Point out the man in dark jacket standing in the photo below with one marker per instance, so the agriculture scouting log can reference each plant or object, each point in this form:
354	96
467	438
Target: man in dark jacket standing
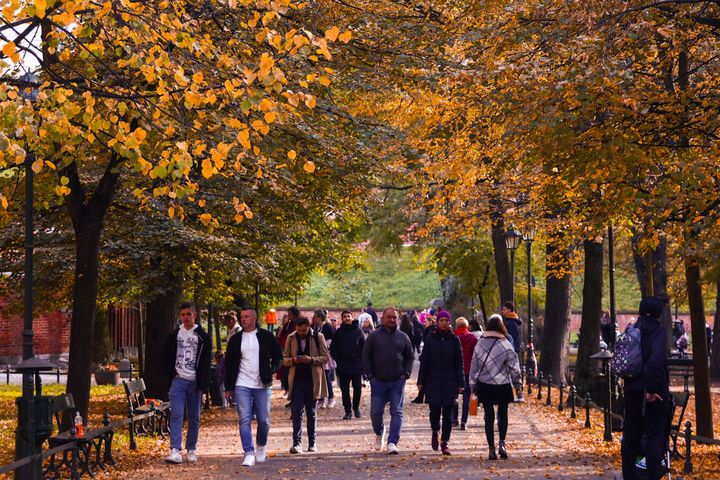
252	357
387	362
186	357
346	349
513	324
647	404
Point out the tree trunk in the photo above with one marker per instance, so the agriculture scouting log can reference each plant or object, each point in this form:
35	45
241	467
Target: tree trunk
715	359
87	252
87	216
586	368
502	264
159	322
659	281
556	329
703	407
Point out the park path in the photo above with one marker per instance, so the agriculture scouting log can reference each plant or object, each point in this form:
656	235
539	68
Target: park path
541	444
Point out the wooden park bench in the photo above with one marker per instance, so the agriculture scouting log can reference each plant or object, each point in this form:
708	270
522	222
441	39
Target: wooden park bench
92	450
147	416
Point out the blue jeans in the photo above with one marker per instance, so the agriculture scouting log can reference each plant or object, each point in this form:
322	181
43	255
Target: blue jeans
247	400
184	394
381	393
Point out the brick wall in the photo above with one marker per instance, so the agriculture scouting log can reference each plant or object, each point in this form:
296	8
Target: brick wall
52	334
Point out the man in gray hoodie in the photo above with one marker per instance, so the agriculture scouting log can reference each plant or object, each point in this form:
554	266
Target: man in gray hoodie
387	362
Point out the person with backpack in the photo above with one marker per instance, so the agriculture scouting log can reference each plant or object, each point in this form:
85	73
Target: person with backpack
640	359
305	355
493	370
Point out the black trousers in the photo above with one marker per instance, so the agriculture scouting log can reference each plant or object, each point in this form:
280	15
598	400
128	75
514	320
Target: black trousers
447	413
303	399
502	420
345	381
653	426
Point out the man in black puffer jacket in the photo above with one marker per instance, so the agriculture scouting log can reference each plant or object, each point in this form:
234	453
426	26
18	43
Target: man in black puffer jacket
346	349
647	397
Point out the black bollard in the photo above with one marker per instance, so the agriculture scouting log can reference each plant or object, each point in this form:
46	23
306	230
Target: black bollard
688	449
540	386
529	385
587	410
548	401
573	393
561	407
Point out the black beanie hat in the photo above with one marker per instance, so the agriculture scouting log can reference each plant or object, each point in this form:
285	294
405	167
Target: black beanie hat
651	307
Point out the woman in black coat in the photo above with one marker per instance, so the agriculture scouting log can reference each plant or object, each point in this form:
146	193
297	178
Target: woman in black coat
442	378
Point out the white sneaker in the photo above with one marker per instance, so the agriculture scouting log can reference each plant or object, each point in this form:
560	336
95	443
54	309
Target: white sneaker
295	449
191	457
174	456
331	403
392	449
379	442
312	449
261	454
249	460
520	398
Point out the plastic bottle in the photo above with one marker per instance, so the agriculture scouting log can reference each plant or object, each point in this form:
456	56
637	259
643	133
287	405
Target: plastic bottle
78	425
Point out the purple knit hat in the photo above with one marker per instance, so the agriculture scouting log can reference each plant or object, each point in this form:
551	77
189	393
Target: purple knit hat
444	314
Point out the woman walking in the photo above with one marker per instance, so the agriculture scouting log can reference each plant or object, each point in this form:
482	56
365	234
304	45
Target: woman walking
493	371
441	378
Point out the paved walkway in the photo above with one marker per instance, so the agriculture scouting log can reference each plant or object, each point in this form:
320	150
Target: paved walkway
541	446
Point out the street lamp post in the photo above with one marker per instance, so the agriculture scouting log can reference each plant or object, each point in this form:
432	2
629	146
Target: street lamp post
531	361
34	416
512	242
604	356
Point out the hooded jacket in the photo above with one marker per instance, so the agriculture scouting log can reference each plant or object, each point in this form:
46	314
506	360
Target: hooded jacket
654	378
346	349
513	323
202	362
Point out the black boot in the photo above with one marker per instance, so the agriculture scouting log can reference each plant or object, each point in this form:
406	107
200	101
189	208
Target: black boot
502	450
435	440
492	455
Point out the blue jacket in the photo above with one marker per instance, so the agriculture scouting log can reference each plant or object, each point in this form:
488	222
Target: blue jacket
654	378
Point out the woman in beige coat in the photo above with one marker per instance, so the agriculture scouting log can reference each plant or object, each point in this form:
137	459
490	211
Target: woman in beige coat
305	355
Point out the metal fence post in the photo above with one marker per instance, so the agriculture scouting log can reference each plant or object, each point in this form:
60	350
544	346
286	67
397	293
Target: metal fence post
548	401
587	410
688	448
540	386
561	407
573	393
7	374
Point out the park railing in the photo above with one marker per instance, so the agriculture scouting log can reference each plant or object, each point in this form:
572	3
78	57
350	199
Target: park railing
57	373
572	400
87	453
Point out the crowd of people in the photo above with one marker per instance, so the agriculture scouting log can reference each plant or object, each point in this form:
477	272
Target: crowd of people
307	355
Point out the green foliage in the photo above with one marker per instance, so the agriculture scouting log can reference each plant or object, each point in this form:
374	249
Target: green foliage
387	279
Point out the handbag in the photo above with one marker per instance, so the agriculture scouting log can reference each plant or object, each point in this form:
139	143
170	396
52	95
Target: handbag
473	407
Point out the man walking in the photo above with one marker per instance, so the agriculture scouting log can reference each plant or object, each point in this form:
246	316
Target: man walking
387	361
305	355
346	349
186	357
252	356
647	397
